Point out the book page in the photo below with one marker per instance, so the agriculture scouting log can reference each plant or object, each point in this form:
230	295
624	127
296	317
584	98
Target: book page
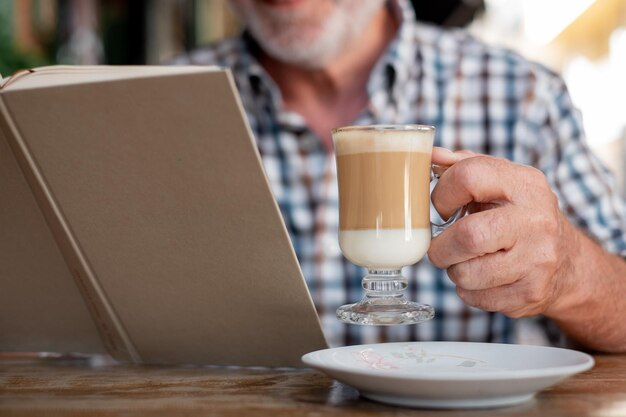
59	75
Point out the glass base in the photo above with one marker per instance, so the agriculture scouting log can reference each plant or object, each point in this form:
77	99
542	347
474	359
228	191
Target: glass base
384	303
385	312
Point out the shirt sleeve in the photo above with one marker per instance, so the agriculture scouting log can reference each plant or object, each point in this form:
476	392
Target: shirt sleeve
586	189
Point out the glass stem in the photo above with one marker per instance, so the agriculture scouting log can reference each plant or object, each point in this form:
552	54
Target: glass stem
384	283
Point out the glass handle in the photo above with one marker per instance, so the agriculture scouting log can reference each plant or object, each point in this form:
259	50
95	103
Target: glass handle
438	228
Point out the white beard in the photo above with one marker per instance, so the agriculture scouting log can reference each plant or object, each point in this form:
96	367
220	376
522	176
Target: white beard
297	38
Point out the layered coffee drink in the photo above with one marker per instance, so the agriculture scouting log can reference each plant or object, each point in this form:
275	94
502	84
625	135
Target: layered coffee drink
384	174
384	194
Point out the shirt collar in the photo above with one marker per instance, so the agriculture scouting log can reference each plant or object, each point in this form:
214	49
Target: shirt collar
400	53
394	66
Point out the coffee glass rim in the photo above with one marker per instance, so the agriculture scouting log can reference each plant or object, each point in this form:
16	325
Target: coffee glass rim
385	128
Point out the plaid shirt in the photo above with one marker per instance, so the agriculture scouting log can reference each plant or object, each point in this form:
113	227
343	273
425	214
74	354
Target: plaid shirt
481	98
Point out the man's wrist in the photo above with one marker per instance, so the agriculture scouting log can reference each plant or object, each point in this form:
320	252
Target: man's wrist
571	290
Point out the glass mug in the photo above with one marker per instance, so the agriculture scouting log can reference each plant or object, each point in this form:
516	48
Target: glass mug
384	174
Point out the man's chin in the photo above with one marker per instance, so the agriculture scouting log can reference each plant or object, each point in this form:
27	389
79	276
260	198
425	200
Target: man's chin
310	48
301	57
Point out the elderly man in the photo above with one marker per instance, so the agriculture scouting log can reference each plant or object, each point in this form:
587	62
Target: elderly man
541	256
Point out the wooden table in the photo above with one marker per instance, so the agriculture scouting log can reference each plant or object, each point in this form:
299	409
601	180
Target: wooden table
45	387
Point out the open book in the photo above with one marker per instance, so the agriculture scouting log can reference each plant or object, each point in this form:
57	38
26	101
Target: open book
136	219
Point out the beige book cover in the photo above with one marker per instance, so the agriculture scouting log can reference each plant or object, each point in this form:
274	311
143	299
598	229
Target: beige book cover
137	210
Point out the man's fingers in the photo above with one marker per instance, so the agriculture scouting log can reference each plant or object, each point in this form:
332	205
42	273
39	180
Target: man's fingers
488	271
473	236
445	157
520	299
481	179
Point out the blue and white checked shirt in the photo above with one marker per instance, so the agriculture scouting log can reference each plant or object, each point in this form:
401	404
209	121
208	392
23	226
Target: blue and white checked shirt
485	99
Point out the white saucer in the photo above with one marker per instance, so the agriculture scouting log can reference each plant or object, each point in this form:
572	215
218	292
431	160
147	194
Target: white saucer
449	374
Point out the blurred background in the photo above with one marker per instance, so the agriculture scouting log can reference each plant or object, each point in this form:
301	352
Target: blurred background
583	40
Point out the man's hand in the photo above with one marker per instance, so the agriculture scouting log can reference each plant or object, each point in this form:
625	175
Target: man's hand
513	252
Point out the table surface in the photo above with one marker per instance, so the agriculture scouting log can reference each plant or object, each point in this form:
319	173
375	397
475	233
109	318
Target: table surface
54	387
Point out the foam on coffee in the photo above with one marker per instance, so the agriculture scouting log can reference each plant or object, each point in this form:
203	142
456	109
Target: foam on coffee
351	141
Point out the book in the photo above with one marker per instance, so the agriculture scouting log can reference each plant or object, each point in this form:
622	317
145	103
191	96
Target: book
139	222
